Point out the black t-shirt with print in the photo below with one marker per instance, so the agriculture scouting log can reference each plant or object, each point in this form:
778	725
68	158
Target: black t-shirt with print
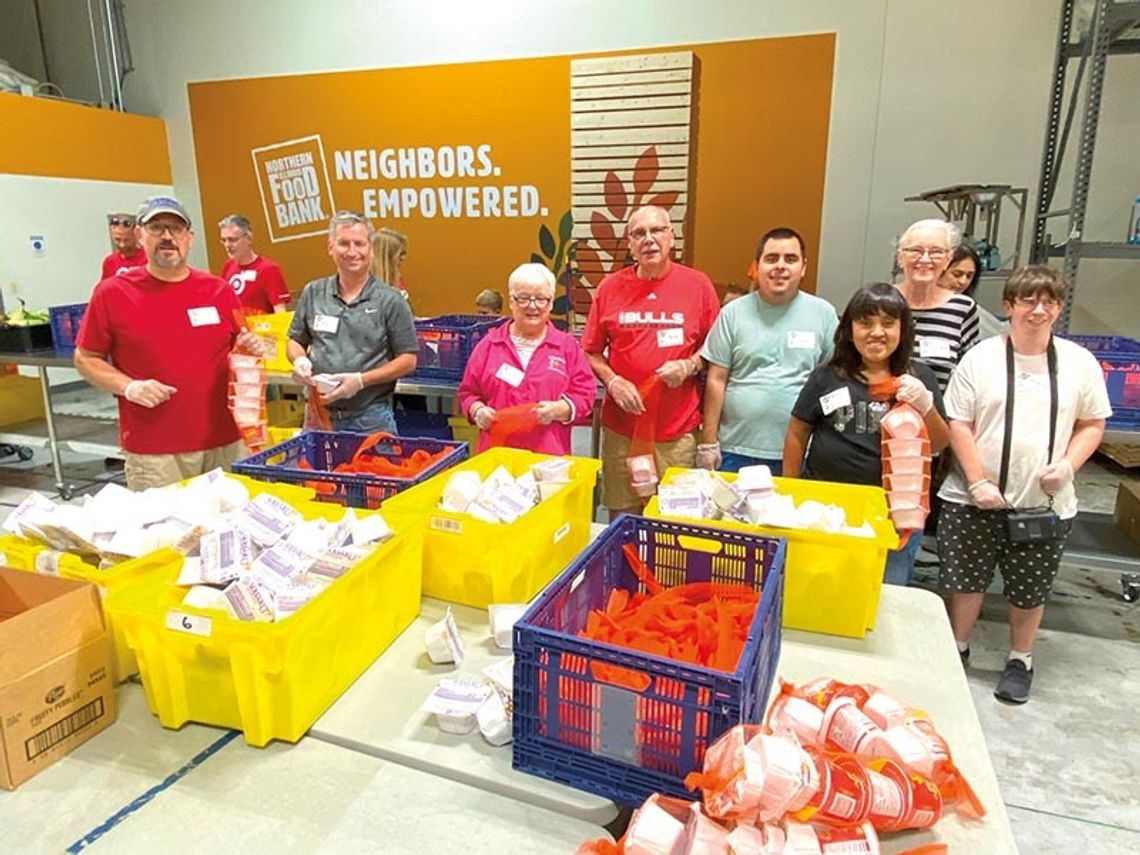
845	443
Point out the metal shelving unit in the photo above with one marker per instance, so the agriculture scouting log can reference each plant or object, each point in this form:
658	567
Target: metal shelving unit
1112	30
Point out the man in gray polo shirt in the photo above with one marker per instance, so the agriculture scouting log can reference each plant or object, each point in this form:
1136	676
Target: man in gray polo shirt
354	330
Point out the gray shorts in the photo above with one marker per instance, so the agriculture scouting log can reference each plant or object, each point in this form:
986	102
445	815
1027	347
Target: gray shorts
972	542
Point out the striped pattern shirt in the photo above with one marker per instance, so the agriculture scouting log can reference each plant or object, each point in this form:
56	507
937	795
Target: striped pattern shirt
942	335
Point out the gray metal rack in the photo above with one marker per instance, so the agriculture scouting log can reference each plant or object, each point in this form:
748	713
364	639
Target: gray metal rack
1111	30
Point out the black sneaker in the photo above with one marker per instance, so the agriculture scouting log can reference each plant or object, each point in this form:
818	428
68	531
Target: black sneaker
964	655
1014	682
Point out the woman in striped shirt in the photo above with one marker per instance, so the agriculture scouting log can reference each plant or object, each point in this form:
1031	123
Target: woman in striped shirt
945	323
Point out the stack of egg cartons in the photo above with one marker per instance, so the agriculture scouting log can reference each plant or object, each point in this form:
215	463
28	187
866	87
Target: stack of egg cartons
906	467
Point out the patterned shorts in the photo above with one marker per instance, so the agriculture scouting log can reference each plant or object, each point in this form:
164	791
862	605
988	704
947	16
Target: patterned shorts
972	542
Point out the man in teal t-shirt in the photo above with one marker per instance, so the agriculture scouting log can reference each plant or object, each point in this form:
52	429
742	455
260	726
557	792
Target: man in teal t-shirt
760	353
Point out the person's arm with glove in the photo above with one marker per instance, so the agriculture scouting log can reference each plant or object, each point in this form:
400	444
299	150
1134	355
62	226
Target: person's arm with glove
984	493
1087	434
708	452
623	391
96	370
914	392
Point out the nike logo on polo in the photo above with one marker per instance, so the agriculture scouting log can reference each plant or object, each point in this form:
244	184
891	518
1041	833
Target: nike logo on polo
370	311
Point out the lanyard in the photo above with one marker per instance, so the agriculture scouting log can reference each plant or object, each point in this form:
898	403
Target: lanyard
1009	384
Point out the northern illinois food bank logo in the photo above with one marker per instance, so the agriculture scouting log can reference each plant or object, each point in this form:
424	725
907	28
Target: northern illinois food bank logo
294	184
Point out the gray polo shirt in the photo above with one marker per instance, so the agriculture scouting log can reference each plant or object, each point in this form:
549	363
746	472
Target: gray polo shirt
344	337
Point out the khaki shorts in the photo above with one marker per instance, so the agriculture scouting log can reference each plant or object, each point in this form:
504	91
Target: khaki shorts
616	493
158	470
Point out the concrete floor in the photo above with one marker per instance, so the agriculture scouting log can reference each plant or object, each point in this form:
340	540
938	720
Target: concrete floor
1068	768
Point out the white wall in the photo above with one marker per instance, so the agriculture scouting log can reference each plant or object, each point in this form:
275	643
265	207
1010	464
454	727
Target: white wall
927	93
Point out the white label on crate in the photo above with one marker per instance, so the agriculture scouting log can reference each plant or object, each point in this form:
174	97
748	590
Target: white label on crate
444	524
577	581
47	562
193	624
326	323
204	316
563	530
509	375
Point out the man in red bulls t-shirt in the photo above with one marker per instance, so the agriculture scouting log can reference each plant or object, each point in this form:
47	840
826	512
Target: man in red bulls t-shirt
651	318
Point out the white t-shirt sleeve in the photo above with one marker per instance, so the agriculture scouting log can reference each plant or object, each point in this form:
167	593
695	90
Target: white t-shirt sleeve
717	348
1093	402
961	393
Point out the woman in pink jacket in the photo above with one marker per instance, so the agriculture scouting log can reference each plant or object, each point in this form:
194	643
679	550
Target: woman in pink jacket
529	361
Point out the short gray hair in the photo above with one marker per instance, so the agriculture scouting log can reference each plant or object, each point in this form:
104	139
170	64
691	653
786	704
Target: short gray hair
532	273
237	221
953	234
350	218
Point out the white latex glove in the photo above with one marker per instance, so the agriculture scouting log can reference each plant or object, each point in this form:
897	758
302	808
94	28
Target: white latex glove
708	455
552	411
303	371
914	392
674	372
349	385
1054	477
483	417
148	393
986	495
625	395
247	342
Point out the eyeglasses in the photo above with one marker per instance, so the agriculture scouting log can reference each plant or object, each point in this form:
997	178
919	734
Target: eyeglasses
654	231
539	302
1031	302
936	253
127	222
175	229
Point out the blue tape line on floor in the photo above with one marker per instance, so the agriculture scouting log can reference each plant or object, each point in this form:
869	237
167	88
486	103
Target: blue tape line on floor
193	763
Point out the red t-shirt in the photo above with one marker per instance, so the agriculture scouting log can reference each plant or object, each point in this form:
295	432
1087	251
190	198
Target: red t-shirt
259	285
644	323
178	333
116	262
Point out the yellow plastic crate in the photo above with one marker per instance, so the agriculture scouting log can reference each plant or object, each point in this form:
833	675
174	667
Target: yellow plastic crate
21	399
464	431
831	581
273	332
277	434
20	553
477	563
270	680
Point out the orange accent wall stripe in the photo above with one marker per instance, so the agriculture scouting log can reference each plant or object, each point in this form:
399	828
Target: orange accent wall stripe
61	140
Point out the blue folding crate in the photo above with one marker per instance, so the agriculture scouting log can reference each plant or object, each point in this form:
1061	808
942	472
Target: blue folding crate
574	725
322	451
445	345
65	321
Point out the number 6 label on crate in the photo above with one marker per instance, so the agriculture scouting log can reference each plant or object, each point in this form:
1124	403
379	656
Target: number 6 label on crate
193	624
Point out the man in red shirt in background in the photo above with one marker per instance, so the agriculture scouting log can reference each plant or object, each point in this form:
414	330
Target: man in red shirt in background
158	337
127	252
651	318
257	281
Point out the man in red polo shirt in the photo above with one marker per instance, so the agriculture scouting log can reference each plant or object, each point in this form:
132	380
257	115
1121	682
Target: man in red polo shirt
651	318
257	281
158	337
127	252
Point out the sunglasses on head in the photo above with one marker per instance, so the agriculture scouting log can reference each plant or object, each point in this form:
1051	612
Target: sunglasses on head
129	222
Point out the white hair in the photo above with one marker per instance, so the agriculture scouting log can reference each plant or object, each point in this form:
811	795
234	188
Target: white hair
953	234
532	273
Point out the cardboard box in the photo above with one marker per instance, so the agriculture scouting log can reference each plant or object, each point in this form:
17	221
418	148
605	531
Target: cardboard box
1127	512
55	671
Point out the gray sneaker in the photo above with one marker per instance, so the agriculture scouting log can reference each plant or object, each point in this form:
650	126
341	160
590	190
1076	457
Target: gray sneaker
1014	682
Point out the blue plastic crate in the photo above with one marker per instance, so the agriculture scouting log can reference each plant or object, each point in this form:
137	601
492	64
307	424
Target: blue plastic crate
573	726
1119	359
420	424
445	345
323	451
65	321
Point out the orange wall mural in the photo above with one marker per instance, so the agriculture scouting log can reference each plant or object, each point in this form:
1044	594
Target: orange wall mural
484	166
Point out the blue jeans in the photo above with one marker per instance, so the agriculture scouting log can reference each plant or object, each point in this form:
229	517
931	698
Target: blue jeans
375	417
899	569
731	462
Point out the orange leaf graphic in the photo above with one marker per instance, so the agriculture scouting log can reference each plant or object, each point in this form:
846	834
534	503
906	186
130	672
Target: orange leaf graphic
601	228
645	172
616	199
587	259
664	200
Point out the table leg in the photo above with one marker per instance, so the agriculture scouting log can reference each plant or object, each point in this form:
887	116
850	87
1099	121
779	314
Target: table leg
64	489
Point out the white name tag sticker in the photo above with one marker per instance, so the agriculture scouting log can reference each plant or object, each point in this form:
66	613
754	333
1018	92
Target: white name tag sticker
801	339
934	348
671	337
832	401
326	323
509	375
204	316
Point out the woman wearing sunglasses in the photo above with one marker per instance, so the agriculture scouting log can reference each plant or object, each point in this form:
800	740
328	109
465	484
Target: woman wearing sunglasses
527	362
